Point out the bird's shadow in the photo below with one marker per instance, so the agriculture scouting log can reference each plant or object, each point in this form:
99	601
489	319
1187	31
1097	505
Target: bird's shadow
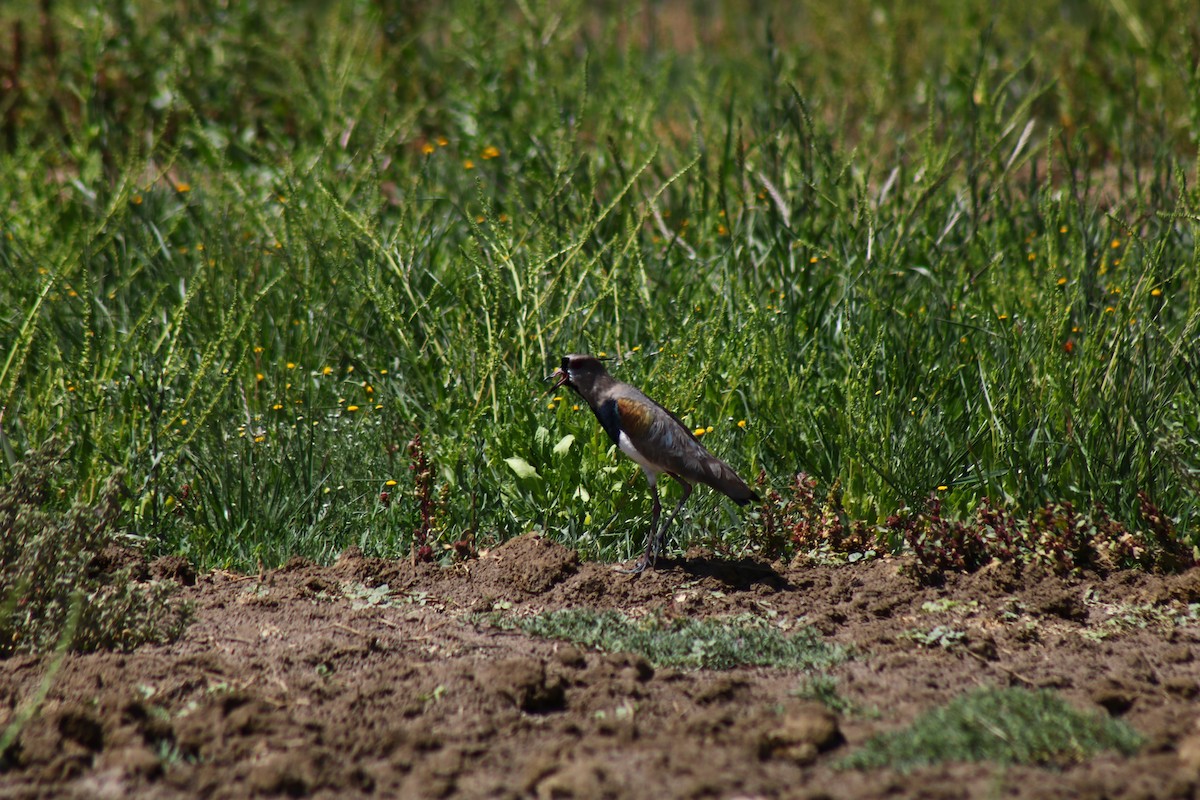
741	574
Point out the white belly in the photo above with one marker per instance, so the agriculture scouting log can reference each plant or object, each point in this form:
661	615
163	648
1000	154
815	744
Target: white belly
628	449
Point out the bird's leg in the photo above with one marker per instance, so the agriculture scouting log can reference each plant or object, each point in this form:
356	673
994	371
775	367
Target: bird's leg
661	544
647	559
652	538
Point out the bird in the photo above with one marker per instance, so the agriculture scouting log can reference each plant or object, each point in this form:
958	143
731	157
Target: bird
653	437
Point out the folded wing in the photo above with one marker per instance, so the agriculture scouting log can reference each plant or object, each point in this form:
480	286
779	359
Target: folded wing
663	438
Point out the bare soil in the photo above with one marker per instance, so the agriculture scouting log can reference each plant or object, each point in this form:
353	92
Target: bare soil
314	681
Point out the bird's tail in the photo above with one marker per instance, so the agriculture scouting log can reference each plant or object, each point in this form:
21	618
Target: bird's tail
722	478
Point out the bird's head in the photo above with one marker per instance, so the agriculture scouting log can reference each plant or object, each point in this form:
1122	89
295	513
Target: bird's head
579	371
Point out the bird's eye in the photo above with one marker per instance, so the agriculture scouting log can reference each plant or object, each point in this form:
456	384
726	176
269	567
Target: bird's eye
566	363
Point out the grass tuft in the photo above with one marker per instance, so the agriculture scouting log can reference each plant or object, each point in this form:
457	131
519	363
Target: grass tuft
1007	726
693	643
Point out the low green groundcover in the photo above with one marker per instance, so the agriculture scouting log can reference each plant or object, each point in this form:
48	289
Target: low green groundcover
1010	726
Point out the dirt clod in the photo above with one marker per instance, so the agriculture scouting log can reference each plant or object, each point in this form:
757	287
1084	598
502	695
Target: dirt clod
131	762
173	568
1189	756
1062	603
801	735
581	779
1114	696
523	682
1181	588
530	564
571	657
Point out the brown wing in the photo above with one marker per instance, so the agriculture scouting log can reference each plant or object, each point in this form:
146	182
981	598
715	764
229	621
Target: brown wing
663	439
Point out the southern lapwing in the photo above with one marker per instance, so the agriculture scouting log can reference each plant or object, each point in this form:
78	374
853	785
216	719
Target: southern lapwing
651	436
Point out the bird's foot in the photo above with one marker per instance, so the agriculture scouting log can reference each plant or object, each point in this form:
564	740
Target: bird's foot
647	560
638	567
654	545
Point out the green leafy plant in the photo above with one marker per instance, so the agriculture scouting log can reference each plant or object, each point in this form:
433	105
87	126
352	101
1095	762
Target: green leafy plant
1055	536
56	565
941	636
944	604
799	521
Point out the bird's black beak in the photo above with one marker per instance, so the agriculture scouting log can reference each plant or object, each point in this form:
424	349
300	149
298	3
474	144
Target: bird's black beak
559	377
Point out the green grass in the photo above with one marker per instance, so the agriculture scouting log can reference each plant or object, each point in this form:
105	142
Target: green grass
247	254
1008	726
694	643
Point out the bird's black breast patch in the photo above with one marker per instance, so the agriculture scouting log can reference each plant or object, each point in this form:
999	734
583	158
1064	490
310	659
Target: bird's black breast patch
610	418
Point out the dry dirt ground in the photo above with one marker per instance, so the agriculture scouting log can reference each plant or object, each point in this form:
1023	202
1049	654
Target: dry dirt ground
315	681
